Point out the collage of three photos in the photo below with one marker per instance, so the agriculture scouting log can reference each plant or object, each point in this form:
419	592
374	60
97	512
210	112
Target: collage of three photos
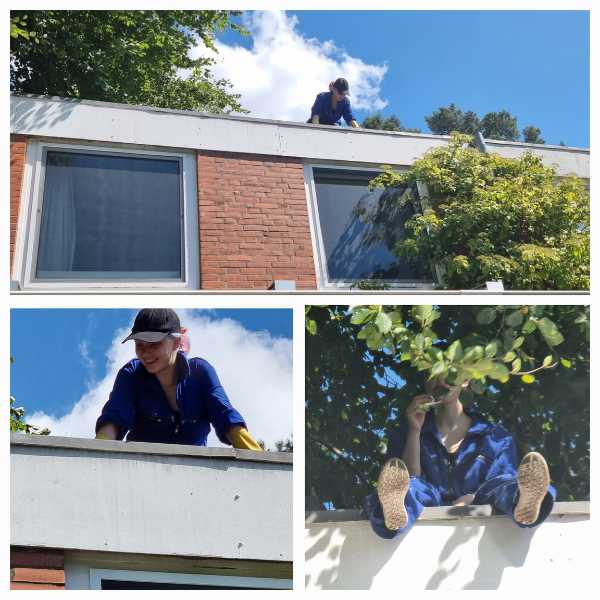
215	256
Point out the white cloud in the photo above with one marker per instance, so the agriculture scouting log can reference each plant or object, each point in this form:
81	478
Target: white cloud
282	73
254	368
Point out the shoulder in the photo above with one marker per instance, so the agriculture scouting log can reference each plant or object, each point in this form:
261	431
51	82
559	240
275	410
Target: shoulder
322	97
199	366
133	367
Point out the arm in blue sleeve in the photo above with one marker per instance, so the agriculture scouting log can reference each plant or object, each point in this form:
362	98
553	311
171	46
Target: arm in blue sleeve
505	461
220	412
316	107
119	408
347	112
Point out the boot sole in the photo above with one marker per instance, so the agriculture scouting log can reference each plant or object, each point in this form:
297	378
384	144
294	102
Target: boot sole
391	489
533	479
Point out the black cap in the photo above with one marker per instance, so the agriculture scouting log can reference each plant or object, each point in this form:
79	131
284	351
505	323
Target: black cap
341	85
154	324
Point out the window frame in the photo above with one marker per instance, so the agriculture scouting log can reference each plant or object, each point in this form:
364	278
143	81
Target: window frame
29	223
323	281
97	575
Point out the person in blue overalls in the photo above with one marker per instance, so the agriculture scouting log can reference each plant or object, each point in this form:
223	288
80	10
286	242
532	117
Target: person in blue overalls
331	106
163	396
455	457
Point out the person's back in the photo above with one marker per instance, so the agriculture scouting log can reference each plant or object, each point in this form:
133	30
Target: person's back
330	107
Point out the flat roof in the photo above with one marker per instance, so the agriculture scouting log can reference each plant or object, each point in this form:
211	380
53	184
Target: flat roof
107	122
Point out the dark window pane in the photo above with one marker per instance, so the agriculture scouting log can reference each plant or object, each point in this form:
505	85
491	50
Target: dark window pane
360	228
106	216
114	584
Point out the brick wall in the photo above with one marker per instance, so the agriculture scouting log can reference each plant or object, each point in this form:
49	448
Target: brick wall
17	164
37	569
254	224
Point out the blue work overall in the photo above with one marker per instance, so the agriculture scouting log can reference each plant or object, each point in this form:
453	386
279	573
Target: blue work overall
485	465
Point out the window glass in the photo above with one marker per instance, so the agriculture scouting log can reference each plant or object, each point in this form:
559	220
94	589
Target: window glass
360	228
108	216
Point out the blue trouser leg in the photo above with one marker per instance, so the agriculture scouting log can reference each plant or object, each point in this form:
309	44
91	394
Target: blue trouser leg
502	492
420	494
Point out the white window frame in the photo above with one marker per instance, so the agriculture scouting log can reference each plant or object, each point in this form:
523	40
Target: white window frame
28	228
323	281
97	575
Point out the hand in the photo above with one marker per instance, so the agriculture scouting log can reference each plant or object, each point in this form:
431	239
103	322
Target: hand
464	500
416	415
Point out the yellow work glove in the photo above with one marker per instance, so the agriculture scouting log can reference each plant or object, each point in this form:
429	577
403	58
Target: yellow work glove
240	438
103	436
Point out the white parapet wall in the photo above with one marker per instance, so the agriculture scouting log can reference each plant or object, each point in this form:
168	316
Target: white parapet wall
144	126
452	549
158	499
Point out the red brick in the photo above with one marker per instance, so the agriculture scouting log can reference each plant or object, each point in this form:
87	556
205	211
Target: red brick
23	574
18	145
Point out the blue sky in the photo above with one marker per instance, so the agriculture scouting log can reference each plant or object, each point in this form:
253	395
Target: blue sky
534	64
65	355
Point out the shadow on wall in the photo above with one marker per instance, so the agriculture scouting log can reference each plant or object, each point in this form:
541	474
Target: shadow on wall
44	113
474	556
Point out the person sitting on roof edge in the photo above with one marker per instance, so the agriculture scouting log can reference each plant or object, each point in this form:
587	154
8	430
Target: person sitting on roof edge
455	457
163	396
330	106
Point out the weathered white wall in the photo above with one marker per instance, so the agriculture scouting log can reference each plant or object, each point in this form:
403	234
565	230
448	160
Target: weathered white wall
146	126
488	553
150	498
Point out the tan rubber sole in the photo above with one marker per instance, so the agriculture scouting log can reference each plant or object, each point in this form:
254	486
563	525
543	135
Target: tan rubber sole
533	479
391	489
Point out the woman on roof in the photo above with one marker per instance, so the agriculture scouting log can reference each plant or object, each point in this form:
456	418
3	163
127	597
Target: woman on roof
331	106
455	457
163	396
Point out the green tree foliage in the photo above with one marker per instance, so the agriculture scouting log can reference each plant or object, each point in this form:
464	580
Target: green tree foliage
531	135
495	218
356	394
17	419
391	123
450	118
133	57
500	126
493	125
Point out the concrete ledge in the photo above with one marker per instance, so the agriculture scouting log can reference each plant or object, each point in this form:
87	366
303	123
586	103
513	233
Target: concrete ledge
442	513
151	127
45	441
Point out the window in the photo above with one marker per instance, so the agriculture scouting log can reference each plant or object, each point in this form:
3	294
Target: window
105	217
109	579
357	230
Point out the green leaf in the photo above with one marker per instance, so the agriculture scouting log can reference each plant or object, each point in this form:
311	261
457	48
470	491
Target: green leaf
516	365
509	356
396	317
547	361
383	322
360	315
499	372
374	341
419	341
565	362
514	319
518	342
437	369
486	315
422	312
455	351
311	326
550	332
366	331
491	349
527	378
529	326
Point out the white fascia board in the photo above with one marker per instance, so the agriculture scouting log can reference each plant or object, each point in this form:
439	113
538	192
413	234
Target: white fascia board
149	126
566	161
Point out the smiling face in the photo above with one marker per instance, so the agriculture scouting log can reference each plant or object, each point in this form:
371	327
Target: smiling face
157	357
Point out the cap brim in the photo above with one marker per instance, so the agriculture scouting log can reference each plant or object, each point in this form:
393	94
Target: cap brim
146	336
